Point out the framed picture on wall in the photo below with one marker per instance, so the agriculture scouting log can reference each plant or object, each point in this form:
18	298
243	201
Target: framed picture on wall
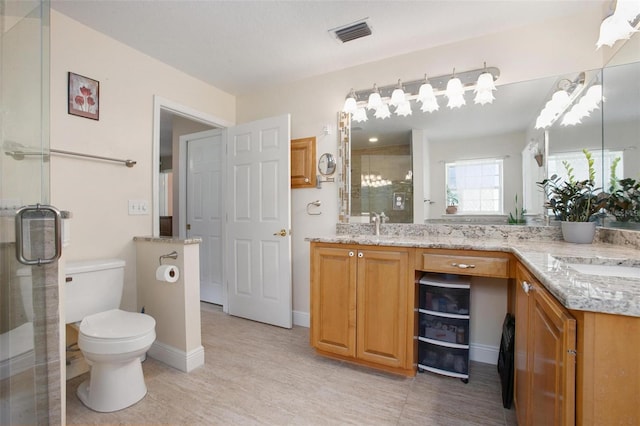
84	96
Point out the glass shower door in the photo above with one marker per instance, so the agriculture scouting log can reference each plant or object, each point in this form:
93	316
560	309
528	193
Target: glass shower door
30	380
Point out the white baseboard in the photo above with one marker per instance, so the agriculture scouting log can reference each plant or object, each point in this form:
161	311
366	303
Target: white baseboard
303	319
483	353
176	358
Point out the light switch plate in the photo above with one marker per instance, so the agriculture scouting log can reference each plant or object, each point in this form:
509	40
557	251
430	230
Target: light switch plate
138	207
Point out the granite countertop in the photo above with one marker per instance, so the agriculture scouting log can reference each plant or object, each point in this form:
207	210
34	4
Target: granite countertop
169	240
548	261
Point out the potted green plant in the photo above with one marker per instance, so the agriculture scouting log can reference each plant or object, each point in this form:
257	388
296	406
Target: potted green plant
518	217
624	200
452	201
575	203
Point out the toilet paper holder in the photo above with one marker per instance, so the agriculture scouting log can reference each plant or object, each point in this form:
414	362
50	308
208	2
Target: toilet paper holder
173	255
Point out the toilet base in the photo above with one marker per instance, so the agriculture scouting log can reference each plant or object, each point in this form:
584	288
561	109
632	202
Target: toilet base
113	386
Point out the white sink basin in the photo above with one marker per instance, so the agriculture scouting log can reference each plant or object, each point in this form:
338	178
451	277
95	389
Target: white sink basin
603	266
606	270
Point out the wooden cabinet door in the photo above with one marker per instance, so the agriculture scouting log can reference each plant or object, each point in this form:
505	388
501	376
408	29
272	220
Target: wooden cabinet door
303	163
521	394
552	345
545	364
383	318
333	300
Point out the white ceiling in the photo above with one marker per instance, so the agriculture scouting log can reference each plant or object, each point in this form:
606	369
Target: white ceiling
239	46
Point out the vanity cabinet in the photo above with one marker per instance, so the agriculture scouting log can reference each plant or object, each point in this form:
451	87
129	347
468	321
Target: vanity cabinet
362	305
545	356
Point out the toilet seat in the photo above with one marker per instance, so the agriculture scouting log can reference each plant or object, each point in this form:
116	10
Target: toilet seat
116	332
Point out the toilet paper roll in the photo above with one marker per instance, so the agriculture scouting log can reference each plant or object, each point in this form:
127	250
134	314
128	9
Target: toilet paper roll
168	273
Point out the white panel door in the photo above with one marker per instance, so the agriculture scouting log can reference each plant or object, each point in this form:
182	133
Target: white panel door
259	219
206	208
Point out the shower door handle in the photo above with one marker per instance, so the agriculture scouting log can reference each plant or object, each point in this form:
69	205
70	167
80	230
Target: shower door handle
28	214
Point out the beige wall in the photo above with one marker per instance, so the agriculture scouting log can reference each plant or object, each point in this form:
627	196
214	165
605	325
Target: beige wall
174	306
557	47
98	192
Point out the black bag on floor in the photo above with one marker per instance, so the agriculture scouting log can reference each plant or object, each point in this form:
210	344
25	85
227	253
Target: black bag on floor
505	359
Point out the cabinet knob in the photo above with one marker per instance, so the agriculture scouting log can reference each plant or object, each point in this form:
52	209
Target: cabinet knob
463	265
526	287
360	254
350	254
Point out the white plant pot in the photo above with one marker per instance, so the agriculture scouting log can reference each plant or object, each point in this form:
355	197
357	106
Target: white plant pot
578	232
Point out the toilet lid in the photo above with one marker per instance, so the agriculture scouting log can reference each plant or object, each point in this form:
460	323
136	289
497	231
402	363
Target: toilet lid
117	324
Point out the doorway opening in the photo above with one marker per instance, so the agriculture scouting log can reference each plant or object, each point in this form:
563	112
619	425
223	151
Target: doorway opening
170	121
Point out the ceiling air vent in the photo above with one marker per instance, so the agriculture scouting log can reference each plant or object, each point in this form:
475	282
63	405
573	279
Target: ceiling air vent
352	32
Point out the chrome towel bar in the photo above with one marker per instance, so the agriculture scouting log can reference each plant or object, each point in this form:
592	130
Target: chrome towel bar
19	155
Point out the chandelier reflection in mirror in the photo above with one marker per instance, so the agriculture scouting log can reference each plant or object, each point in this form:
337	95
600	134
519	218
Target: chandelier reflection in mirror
572	101
398	97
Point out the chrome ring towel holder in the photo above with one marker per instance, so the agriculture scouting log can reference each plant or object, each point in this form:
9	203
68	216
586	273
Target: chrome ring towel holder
315	203
173	255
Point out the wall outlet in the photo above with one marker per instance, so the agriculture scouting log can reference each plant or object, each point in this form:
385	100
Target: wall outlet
138	207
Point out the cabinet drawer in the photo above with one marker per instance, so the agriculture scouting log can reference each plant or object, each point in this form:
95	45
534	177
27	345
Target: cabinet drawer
444	300
467	265
444	360
444	329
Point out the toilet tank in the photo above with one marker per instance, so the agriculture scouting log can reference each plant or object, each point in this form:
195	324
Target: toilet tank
92	286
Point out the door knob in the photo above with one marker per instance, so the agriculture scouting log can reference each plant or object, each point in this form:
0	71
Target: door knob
281	233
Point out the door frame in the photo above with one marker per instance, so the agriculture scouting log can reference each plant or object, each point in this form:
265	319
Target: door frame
160	103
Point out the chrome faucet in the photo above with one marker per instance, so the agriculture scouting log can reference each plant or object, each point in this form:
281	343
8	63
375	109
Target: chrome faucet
377	219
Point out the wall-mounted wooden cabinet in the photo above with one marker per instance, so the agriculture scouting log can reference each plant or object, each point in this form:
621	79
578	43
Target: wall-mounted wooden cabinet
362	301
303	163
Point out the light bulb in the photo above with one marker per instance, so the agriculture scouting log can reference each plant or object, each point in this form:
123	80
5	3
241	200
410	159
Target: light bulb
404	109
374	99
455	93
383	111
360	115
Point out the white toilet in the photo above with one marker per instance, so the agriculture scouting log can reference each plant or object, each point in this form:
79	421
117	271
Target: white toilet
112	341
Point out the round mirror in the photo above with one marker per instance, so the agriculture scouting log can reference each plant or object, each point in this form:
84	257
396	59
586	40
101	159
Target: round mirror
327	164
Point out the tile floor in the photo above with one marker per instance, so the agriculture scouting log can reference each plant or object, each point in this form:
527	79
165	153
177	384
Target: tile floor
256	374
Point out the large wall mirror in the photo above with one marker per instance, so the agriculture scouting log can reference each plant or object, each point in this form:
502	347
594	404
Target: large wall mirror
621	116
402	165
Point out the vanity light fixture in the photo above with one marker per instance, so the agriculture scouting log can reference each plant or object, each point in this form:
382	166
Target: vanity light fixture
397	97
383	111
619	25
455	92
350	104
375	101
567	92
404	109
427	97
401	95
588	102
373	140
485	88
374	180
360	115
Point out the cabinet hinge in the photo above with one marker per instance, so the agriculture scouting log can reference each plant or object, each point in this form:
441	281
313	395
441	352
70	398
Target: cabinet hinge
572	352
